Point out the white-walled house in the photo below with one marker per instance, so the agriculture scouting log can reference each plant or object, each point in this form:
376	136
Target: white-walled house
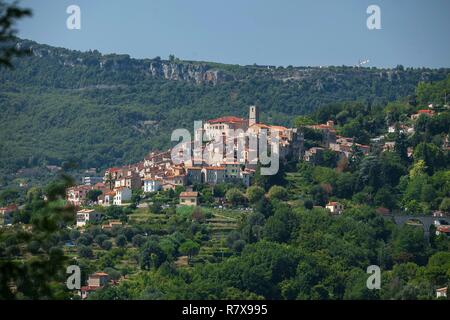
441	293
122	194
107	198
335	207
96	281
152	185
84	216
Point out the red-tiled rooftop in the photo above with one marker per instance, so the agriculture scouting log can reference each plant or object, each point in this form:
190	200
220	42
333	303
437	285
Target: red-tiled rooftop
445	229
89	288
230	119
189	194
278	128
99	274
79	188
322	126
425	111
11	207
261	125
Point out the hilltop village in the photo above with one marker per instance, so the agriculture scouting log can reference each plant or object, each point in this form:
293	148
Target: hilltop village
198	203
312	143
212	166
158	171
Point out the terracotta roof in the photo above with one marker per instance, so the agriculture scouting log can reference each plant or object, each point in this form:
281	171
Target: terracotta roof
230	119
260	125
278	128
152	179
322	126
86	211
176	176
89	288
189	194
11	207
425	111
214	168
99	274
445	229
382	210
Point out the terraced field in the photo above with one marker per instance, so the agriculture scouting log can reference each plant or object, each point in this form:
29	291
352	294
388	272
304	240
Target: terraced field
220	221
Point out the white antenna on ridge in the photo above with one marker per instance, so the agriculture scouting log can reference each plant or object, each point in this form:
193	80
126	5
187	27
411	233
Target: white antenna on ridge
362	62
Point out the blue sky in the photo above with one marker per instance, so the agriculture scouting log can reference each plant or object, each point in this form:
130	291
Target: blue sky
275	32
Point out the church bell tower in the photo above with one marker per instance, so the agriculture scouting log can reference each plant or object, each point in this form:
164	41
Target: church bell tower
253	116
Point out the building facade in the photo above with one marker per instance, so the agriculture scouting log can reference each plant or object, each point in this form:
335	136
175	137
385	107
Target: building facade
152	185
189	198
85	216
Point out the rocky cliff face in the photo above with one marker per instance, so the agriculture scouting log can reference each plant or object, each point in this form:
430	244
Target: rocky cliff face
113	69
198	73
195	72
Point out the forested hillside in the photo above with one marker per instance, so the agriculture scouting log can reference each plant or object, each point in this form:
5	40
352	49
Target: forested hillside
276	239
98	110
272	240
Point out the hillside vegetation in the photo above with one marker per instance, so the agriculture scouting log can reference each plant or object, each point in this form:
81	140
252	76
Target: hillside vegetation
274	239
99	110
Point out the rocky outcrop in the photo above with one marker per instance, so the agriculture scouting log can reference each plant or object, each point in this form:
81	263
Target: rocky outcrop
194	72
198	73
121	68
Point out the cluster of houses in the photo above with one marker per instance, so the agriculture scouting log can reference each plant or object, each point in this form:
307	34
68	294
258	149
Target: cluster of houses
408	130
211	163
342	146
345	146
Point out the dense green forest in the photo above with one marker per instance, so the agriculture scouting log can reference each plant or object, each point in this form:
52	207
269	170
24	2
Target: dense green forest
98	110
